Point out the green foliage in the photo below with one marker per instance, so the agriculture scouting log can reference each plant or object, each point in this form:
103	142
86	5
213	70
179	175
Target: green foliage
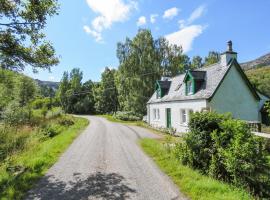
22	42
212	58
15	115
225	149
192	183
105	93
197	62
260	78
26	90
23	167
127	116
143	60
74	96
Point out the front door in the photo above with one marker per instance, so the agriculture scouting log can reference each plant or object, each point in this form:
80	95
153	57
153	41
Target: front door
168	117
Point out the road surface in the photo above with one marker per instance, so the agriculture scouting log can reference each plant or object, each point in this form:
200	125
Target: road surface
105	162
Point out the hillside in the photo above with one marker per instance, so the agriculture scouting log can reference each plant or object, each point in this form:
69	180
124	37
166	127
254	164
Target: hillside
260	78
50	84
259	62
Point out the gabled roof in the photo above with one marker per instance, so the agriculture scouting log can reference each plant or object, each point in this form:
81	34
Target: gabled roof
213	77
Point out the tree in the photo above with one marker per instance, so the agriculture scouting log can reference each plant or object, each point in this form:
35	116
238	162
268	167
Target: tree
26	90
212	58
196	62
106	97
74	96
62	92
22	42
143	60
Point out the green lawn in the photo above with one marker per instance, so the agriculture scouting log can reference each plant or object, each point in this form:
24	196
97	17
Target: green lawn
190	182
20	171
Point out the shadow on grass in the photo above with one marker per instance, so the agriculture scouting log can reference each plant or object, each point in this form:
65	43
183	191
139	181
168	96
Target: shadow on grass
96	186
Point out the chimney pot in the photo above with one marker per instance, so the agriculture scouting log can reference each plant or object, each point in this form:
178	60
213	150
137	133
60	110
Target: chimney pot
229	46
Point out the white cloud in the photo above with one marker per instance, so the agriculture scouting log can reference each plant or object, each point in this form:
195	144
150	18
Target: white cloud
51	78
170	13
109	12
153	18
141	21
95	34
185	37
196	14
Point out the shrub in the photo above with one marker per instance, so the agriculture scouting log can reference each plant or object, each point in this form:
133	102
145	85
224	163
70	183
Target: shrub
127	116
51	130
15	115
224	148
11	141
41	103
65	122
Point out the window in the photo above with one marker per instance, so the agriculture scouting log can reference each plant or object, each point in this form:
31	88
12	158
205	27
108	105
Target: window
183	116
189	88
156	114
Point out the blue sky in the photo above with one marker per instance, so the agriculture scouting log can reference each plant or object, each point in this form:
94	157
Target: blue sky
85	32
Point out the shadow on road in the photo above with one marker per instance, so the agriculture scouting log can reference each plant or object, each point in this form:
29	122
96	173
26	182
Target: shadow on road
96	186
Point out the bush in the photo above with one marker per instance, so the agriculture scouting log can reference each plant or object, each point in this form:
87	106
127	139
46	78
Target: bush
11	141
224	148
66	122
51	130
15	115
41	103
127	116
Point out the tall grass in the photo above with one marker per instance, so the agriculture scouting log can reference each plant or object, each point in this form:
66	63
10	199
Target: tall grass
22	167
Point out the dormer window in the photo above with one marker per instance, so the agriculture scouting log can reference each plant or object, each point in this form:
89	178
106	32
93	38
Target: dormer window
193	81
162	88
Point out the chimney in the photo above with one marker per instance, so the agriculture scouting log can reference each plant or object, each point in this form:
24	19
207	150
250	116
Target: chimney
226	57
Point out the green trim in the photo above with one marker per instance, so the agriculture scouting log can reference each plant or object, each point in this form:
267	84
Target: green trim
160	92
234	62
189	77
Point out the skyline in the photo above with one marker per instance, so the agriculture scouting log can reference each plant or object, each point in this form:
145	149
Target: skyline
85	33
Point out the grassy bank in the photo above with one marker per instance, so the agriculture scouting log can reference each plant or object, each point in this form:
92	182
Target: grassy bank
190	182
20	170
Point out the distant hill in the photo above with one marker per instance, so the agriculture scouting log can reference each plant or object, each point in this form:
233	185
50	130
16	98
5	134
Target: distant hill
51	84
262	61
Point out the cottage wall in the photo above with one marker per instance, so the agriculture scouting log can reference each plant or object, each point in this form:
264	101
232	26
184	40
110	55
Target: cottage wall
235	97
176	107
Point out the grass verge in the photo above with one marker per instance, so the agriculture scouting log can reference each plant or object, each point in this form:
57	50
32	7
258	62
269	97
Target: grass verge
190	182
20	171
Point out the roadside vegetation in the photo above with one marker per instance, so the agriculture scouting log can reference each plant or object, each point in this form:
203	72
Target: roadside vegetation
191	182
31	151
218	155
34	131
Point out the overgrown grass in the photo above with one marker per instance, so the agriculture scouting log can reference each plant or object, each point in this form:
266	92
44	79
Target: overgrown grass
190	182
21	170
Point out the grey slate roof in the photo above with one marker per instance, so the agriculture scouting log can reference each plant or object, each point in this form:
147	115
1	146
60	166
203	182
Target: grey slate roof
198	75
165	84
212	77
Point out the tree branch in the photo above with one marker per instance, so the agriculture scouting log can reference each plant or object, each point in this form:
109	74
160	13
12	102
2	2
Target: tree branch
18	23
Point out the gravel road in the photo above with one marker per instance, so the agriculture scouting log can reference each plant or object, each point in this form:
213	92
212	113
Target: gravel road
105	162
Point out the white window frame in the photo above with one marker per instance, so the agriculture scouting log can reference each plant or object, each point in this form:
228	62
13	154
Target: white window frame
156	114
183	115
189	87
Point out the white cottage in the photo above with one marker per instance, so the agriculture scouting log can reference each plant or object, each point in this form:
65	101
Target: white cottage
222	87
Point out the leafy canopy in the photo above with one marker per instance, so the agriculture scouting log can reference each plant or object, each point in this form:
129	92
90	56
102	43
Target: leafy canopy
22	41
